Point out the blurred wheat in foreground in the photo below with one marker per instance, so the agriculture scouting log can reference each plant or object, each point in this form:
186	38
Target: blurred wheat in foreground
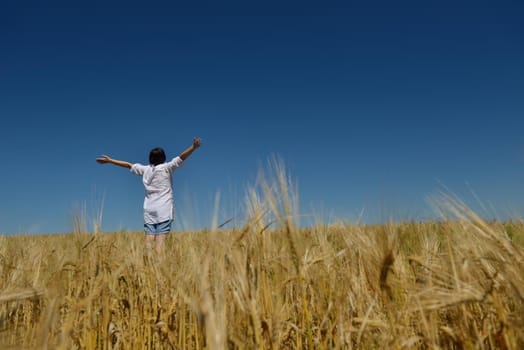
455	283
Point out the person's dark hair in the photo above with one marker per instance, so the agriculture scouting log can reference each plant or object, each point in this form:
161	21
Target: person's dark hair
157	156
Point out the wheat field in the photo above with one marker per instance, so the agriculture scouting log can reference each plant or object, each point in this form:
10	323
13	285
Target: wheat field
452	283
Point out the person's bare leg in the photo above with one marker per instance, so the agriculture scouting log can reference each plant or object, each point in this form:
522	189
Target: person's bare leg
149	242
159	243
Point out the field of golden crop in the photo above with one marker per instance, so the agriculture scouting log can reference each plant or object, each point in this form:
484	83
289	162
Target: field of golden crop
454	283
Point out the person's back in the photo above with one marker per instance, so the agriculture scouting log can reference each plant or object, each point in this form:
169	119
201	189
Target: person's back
158	185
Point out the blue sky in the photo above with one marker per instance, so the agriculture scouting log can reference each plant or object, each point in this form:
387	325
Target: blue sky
372	105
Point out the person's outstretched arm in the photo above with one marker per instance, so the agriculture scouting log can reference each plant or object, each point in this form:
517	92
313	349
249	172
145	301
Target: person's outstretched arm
196	143
106	159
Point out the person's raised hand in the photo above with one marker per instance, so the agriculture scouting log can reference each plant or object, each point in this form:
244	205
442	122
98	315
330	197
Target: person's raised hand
197	141
103	160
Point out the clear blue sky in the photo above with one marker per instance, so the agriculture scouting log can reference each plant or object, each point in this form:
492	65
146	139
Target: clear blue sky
372	105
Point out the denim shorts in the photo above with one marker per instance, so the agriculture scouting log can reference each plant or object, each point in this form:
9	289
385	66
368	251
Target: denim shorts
160	228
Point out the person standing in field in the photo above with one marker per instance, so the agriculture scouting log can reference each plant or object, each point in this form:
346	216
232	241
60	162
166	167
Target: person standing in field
158	201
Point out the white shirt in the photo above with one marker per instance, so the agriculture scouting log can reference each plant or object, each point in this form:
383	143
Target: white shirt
158	203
